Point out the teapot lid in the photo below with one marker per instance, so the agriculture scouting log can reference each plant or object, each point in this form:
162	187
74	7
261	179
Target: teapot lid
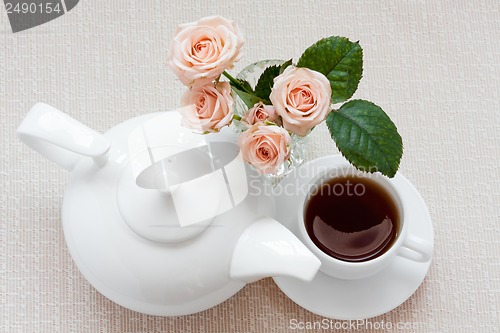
171	192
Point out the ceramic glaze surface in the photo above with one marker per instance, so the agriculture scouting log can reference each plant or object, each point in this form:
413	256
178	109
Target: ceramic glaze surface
129	268
374	294
164	245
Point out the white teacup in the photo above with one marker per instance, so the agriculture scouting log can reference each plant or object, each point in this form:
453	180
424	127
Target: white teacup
405	244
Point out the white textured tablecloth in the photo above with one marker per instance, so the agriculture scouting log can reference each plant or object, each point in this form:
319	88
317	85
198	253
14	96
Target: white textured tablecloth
434	66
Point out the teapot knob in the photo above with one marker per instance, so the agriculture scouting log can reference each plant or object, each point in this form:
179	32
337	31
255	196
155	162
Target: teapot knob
61	138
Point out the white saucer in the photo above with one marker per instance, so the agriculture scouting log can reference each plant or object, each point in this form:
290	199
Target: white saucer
354	299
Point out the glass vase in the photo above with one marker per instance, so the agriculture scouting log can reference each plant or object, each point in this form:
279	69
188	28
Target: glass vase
251	74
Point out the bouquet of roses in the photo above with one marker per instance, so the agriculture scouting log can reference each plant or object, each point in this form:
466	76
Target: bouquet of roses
287	101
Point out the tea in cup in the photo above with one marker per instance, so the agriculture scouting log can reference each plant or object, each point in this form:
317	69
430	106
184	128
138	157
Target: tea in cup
355	223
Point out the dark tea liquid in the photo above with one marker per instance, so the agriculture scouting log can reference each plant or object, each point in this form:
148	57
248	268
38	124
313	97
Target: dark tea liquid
351	218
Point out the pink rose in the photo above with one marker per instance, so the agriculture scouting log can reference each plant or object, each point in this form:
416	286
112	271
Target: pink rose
259	113
265	146
204	49
212	107
302	98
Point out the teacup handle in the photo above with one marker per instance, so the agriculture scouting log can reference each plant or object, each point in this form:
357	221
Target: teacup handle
61	138
416	249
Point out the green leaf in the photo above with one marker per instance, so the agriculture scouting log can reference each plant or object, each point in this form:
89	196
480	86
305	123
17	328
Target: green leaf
366	136
266	81
340	60
238	83
245	85
249	99
285	65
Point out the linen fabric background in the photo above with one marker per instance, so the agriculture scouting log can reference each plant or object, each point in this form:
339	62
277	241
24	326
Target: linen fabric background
434	66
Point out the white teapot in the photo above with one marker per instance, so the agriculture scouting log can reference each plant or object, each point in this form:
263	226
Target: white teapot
162	220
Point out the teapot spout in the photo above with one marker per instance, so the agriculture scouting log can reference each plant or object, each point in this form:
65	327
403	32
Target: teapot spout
266	248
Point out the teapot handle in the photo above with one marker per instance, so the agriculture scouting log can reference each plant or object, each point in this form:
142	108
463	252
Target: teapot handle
61	138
